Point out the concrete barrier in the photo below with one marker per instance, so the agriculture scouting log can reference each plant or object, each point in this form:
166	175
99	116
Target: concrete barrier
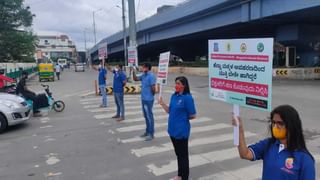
197	71
296	73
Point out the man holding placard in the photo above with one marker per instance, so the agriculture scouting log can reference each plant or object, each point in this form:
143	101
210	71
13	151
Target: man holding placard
148	90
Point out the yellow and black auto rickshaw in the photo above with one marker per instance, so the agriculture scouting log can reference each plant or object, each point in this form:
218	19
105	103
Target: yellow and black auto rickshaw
46	72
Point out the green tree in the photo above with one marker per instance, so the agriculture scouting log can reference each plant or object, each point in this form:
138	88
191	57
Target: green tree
16	44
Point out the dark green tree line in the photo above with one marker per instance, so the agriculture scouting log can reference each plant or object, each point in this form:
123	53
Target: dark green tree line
17	42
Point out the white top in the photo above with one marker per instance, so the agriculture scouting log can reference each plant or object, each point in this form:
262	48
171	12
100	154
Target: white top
58	68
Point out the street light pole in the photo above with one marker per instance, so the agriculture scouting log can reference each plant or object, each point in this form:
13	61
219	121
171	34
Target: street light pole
124	33
94	29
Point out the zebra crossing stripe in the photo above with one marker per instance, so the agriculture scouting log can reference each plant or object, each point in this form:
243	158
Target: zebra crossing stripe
196	160
193	130
99	98
98	105
126	108
194	142
246	173
157	125
103	116
142	119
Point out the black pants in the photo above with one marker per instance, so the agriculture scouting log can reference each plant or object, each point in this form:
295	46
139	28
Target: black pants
181	150
29	95
58	75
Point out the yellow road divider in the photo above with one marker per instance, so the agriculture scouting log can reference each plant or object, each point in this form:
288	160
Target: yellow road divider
128	89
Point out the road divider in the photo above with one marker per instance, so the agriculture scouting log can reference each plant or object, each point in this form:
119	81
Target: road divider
128	89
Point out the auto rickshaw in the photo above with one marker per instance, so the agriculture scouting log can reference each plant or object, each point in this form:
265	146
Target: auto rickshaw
46	72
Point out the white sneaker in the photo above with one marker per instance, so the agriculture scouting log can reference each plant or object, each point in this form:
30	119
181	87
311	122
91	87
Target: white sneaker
176	178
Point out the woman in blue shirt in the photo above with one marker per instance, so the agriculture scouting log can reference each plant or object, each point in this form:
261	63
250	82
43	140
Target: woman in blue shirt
284	154
181	110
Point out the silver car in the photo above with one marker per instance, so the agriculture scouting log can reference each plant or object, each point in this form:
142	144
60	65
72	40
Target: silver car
13	110
79	67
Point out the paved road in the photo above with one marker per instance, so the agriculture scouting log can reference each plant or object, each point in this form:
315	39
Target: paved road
84	143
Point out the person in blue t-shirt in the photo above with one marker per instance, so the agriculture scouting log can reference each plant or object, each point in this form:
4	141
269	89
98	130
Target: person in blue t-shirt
102	77
284	154
181	110
148	89
119	81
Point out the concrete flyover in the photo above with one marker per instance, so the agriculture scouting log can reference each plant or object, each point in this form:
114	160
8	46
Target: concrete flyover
185	29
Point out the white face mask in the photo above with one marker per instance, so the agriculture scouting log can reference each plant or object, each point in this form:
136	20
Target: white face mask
100	66
116	69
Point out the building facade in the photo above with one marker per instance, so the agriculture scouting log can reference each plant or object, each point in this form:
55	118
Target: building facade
55	47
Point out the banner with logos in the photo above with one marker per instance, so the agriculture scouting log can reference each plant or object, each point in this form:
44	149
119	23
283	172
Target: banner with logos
240	72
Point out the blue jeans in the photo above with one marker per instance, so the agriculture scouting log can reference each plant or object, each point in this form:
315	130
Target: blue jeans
118	98
148	115
104	94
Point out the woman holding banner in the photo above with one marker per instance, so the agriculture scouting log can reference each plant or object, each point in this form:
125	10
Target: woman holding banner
181	109
284	154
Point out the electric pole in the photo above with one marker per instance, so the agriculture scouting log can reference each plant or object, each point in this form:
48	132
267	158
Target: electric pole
94	29
124	33
132	23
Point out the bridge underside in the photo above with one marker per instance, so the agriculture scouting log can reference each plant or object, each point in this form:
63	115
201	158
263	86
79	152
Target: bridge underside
300	29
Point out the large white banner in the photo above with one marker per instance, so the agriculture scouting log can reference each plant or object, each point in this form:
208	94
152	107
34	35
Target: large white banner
240	72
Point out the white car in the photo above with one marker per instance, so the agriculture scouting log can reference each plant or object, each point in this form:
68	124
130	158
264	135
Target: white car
79	67
13	110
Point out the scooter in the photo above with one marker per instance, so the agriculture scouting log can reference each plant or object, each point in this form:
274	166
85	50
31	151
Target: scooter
57	106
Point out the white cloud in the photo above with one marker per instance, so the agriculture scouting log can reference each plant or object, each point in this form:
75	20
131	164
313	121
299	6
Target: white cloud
72	17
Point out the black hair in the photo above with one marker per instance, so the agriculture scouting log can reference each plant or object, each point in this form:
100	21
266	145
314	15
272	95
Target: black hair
292	122
25	74
185	83
148	65
120	66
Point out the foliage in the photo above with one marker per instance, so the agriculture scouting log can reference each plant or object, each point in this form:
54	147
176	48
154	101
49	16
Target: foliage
16	44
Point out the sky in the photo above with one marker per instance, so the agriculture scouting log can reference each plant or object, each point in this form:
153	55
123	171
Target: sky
74	17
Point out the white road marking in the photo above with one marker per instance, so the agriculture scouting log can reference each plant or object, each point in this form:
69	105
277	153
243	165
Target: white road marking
49	139
142	119
35	147
43	127
114	108
88	93
193	130
52	159
194	142
157	125
111	132
196	160
98	105
50	174
246	173
107	116
77	93
109	98
36	166
45	119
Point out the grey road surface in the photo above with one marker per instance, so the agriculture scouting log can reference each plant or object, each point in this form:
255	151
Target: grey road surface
84	143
